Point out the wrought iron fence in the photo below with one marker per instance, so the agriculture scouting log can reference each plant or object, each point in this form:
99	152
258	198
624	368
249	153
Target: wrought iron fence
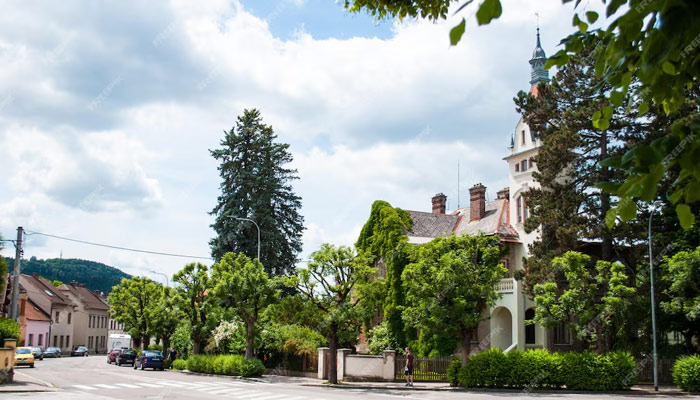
665	367
424	368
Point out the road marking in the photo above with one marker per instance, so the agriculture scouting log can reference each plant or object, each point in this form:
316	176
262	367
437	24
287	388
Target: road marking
128	385
103	386
83	387
153	385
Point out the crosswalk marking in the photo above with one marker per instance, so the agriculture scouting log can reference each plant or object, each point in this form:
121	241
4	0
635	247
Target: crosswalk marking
103	386
84	387
148	384
128	385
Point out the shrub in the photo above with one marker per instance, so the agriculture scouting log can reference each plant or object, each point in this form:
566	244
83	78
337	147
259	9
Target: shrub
539	369
9	329
252	367
686	373
220	365
179	364
453	371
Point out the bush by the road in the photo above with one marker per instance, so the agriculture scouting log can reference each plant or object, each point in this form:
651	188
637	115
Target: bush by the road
453	371
539	369
225	365
179	364
686	373
9	329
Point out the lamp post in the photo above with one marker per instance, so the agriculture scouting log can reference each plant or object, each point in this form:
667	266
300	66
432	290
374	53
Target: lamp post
167	280
256	225
653	313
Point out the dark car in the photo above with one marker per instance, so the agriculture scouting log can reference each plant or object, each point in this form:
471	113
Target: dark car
79	351
112	356
150	359
126	357
38	353
52	352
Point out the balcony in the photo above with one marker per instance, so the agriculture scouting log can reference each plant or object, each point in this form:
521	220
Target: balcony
506	285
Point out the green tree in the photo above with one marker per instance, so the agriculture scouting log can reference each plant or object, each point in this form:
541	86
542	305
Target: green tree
243	287
642	42
339	282
134	302
384	237
257	185
451	283
192	300
167	318
590	302
682	274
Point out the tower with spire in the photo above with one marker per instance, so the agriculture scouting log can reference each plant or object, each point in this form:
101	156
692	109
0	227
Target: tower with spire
538	73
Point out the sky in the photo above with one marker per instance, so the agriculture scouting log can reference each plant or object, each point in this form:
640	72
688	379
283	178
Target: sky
108	111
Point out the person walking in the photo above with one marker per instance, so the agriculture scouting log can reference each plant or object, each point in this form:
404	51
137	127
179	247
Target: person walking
408	369
173	356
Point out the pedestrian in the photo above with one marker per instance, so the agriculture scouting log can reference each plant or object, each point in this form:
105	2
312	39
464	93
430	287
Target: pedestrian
408	369
173	356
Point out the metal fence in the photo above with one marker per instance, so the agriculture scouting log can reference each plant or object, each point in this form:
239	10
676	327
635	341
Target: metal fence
665	369
424	368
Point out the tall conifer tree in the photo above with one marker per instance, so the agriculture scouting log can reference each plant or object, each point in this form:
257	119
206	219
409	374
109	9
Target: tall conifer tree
256	184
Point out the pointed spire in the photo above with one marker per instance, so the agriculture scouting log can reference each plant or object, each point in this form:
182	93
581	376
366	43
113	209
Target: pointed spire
538	73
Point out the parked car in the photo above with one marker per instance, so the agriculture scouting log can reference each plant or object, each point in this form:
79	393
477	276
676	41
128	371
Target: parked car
38	353
24	356
80	351
112	356
127	356
52	352
150	359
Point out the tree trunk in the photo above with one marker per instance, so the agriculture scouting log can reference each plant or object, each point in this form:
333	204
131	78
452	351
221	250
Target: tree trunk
166	344
137	342
146	340
466	338
196	346
333	359
599	339
249	339
606	245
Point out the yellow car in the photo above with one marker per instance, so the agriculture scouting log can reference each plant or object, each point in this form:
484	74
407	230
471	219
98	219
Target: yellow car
24	356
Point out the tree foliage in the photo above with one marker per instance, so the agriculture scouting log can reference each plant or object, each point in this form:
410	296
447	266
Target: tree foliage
243	287
192	299
451	283
590	302
339	283
384	237
94	275
135	303
682	274
256	184
654	42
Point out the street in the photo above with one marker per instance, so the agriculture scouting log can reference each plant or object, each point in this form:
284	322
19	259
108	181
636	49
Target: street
93	378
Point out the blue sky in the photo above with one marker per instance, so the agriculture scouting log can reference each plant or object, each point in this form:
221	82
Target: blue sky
110	110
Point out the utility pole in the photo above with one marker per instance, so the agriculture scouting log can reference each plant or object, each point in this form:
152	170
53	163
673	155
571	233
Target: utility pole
14	309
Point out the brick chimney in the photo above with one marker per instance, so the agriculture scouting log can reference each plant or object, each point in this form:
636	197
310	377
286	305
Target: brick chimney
439	203
477	202
503	193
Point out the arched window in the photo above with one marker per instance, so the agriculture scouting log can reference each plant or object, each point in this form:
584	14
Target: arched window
530	329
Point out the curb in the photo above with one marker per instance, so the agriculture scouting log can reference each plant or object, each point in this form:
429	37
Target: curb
233	377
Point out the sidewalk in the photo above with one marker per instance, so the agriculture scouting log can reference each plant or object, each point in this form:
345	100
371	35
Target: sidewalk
24	383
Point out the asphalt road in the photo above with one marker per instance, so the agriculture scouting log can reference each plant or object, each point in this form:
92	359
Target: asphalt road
92	378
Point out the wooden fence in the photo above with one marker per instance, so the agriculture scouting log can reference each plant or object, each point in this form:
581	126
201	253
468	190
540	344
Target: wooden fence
424	369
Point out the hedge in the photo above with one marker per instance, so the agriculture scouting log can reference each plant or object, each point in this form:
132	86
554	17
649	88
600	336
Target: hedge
686	373
225	365
179	364
453	371
539	369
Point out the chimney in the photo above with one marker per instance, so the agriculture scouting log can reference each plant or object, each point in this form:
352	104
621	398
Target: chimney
96	293
81	285
503	193
439	203
477	202
73	283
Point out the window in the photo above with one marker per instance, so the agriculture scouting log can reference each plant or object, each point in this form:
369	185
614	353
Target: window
523	165
517	167
47	291
111	324
69	314
41	340
68	341
522	135
61	340
89	341
562	334
532	163
55	340
529	329
519	205
526	210
31	340
56	318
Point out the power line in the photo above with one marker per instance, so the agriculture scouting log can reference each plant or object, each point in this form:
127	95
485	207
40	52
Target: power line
159	253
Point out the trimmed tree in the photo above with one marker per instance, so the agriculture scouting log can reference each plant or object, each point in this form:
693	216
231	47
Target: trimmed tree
192	299
135	303
451	284
255	184
243	287
339	283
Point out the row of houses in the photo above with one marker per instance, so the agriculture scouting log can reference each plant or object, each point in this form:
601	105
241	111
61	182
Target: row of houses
63	316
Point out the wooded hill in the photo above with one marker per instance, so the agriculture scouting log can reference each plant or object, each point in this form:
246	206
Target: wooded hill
94	275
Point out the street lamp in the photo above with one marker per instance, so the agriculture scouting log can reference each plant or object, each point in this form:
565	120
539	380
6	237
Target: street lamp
652	209
256	225
167	280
